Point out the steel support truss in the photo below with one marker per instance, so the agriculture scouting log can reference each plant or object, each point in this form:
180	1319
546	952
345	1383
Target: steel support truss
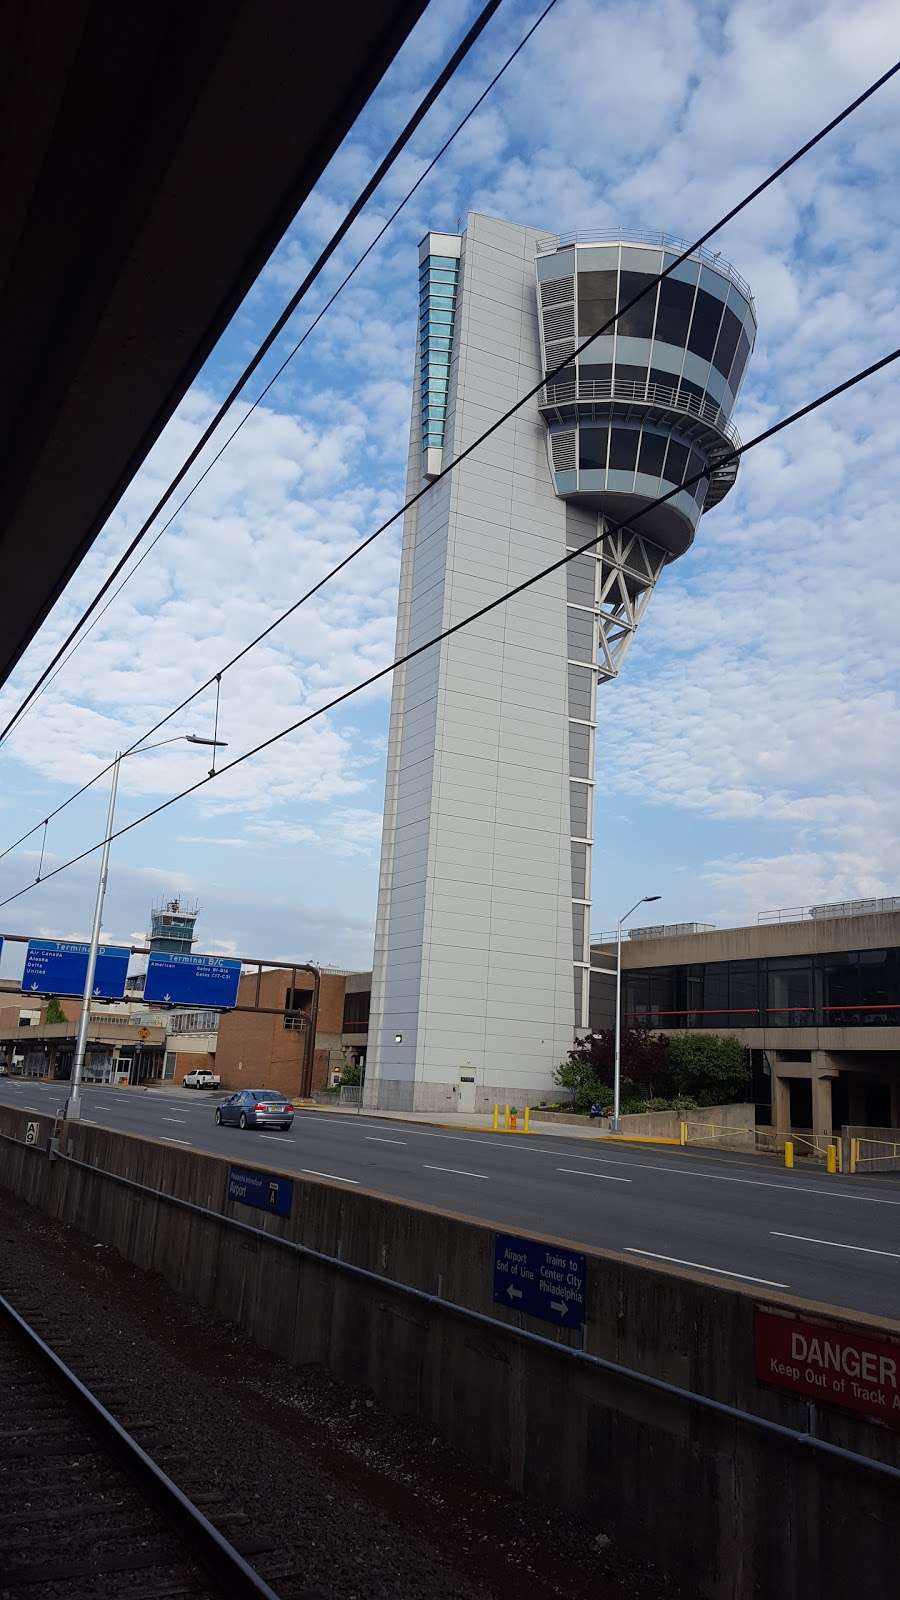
629	567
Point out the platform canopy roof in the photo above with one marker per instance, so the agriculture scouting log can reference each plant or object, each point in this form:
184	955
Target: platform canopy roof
152	155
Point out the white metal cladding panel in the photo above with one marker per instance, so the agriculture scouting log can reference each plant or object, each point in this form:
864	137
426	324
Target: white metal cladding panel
500	728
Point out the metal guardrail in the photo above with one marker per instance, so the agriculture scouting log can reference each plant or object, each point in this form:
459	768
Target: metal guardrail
878	1155
839	908
652	394
648	236
806	1441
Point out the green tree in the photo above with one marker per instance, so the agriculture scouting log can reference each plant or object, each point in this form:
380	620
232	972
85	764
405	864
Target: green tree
55	1011
713	1068
351	1074
589	1070
580	1077
644	1057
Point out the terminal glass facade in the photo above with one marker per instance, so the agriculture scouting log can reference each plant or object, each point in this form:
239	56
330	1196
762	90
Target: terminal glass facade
854	988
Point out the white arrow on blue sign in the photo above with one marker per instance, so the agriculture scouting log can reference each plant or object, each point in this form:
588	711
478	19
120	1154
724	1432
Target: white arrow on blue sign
543	1280
54	966
210	982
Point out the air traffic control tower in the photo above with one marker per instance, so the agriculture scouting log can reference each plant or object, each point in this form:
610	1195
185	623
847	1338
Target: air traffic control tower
482	951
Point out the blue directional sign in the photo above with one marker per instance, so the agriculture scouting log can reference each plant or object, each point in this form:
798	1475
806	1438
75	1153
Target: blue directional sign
206	981
265	1190
545	1280
52	967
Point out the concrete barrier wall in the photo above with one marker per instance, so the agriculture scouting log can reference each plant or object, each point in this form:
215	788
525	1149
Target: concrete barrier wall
738	1514
724	1127
879	1149
731	1125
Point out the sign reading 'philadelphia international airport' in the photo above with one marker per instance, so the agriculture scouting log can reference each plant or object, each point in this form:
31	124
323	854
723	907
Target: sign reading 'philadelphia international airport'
206	981
54	967
268	1191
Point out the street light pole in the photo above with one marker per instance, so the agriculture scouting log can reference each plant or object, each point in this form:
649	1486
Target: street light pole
617	1072
73	1106
73	1103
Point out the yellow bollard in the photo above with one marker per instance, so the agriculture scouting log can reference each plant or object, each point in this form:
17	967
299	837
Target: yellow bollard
506	1118
682	1132
854	1154
789	1152
830	1159
495	1125
527	1128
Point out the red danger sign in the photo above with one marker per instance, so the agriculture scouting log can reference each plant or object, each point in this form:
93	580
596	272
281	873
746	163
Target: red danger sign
831	1362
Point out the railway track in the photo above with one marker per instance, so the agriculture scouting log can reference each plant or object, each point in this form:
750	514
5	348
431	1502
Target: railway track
86	1511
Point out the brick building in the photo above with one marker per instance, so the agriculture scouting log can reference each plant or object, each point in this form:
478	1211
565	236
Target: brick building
265	1050
268	1051
18	1010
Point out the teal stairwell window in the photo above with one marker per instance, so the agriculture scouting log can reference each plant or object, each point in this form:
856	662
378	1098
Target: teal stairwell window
438	278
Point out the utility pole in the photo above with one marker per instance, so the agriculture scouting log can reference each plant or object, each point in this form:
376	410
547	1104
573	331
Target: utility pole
73	1104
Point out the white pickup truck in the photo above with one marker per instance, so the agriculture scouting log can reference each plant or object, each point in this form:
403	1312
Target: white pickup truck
202	1079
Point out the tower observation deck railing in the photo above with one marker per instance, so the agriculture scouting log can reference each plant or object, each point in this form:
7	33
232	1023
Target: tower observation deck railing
649	394
646	236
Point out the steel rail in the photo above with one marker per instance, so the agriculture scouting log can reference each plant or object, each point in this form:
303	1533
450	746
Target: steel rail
807	1442
223	1565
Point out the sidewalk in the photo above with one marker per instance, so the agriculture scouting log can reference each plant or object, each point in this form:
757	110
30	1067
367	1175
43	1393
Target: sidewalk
464	1122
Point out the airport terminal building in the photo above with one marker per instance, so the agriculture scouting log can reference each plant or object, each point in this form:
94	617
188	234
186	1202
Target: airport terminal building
813	992
482	950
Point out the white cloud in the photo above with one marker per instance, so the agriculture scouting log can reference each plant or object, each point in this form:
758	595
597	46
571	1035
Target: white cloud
232	921
762	690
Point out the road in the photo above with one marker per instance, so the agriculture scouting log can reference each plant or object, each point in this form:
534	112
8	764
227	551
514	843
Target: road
831	1239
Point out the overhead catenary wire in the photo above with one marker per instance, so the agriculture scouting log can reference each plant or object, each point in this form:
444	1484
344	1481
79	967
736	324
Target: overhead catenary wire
362	199
50	674
465	622
729	216
61	661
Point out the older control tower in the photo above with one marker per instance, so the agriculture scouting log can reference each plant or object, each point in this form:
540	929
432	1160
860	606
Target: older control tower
482	946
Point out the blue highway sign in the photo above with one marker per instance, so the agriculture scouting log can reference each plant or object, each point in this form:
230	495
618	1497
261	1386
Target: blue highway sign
265	1190
53	967
192	980
544	1280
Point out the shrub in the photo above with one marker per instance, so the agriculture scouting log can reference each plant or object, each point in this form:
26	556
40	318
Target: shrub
644	1058
711	1068
580	1076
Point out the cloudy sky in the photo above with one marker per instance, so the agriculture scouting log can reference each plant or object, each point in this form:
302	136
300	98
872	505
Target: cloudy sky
748	757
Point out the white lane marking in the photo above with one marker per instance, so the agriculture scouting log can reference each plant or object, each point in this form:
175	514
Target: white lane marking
703	1266
334	1175
835	1244
376	1138
170	1138
456	1171
173	1119
719	1177
607	1178
827	1189
281	1138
